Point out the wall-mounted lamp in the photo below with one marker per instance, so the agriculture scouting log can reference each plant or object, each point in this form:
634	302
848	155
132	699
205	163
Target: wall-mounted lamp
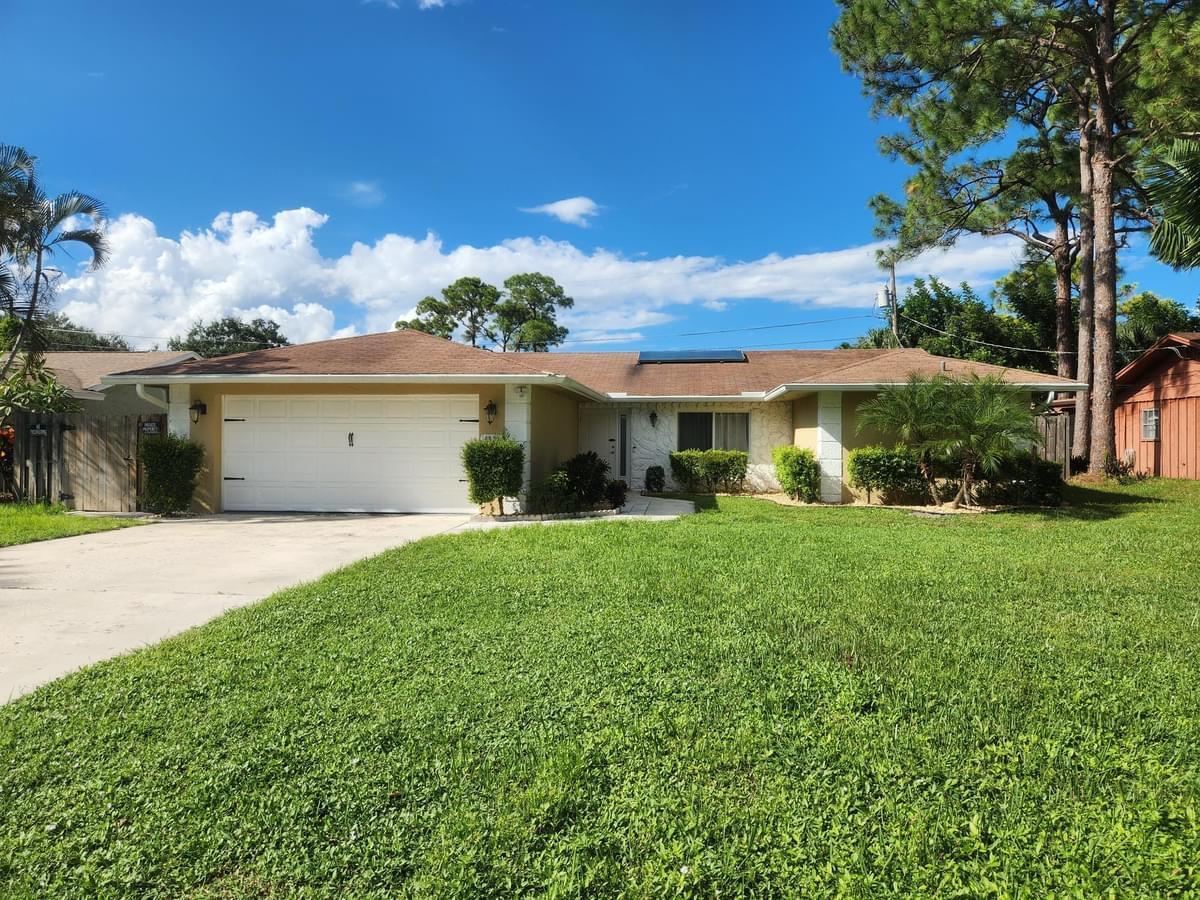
197	410
519	389
490	411
653	419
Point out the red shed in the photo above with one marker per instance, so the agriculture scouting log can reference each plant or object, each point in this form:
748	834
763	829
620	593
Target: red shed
1158	408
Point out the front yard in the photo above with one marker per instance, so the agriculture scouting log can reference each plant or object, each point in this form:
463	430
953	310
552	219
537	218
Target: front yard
754	699
21	523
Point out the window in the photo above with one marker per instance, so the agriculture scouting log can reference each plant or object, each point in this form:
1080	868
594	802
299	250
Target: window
722	431
623	446
1149	424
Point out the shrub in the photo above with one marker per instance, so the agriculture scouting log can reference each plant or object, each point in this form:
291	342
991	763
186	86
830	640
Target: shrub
894	473
798	472
709	470
588	476
553	494
170	465
494	469
615	492
1024	480
656	480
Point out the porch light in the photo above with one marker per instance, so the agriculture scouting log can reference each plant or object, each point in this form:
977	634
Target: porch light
197	410
490	411
653	419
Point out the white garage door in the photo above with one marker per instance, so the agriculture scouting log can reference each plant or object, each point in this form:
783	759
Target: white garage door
347	454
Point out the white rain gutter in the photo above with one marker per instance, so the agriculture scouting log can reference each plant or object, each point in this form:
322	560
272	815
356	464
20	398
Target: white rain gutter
140	389
810	387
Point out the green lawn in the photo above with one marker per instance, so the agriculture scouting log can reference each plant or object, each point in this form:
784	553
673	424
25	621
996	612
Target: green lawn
755	699
21	523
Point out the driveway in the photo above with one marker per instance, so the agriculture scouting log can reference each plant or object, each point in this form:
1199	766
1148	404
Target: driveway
74	601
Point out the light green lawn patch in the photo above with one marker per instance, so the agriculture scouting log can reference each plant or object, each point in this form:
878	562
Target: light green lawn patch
753	700
21	523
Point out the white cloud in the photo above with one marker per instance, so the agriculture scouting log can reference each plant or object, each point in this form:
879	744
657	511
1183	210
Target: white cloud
364	193
155	285
573	210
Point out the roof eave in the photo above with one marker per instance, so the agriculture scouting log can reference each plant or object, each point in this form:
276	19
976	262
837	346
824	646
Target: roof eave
809	387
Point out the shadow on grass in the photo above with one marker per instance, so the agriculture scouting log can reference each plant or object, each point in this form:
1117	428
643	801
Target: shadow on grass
1091	503
703	502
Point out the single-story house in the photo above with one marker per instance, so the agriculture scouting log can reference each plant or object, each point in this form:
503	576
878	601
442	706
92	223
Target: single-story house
88	459
376	423
1157	408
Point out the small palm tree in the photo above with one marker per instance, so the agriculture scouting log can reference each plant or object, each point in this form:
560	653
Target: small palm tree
986	421
912	412
40	226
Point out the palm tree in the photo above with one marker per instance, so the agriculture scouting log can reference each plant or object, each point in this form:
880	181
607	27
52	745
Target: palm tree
986	421
16	167
42	226
912	412
1173	185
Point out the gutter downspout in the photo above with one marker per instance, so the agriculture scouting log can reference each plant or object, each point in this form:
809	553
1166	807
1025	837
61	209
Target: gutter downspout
140	390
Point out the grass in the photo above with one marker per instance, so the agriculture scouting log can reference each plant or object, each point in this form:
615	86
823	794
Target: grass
755	699
23	523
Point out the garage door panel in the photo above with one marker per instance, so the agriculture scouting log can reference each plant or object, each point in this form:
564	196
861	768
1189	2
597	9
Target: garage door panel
294	453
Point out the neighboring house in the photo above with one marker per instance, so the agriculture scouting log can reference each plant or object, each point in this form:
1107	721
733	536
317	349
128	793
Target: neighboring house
376	423
1157	406
88	460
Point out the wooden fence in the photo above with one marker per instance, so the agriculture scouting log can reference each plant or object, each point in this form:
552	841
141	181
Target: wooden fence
87	462
1057	434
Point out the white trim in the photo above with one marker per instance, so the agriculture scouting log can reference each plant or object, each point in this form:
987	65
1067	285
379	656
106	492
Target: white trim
685	398
814	387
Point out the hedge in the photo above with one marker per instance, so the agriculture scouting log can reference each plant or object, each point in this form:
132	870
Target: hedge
1023	480
656	479
709	470
798	472
170	465
891	472
494	467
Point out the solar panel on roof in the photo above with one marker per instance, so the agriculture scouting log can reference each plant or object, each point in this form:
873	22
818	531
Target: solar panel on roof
691	356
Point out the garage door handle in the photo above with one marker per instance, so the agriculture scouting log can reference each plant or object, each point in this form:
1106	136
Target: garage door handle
350	439
468	420
235	420
233	478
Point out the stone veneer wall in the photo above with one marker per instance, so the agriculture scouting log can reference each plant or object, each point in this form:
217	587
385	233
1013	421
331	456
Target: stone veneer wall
770	427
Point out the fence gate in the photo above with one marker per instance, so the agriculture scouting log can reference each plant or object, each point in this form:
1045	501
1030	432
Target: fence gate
1057	434
87	462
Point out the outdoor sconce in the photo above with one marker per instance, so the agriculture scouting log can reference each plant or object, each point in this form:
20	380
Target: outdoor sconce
653	419
197	410
490	411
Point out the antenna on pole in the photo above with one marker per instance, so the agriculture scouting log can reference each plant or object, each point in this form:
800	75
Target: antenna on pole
886	299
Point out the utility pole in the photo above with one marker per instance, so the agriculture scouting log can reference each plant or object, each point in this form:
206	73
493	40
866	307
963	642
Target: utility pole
895	301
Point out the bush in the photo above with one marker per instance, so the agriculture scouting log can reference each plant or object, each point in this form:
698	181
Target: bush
170	465
553	494
1023	480
494	469
709	470
615	492
892	473
798	472
656	480
588	476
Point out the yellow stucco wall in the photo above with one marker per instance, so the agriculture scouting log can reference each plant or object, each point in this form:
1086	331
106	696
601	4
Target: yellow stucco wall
208	430
554	431
852	438
804	422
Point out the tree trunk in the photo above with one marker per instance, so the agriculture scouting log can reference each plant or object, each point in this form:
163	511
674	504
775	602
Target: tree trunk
1104	313
1082	437
1062	296
27	323
930	481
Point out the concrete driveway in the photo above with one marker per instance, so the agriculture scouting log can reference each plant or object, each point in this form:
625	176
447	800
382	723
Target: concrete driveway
69	602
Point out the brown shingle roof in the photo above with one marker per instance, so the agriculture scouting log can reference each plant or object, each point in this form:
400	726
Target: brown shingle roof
83	369
413	353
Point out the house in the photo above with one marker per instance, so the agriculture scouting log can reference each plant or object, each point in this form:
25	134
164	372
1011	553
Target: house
88	460
376	423
1156	402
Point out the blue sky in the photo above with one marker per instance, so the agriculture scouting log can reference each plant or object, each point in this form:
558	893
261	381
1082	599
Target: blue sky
371	152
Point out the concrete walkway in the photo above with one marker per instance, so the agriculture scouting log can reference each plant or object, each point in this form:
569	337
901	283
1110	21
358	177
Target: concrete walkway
70	602
654	509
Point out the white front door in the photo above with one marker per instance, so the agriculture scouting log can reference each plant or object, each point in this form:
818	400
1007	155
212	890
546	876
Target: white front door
606	432
365	453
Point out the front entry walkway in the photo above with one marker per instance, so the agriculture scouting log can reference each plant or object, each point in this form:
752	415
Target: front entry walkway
74	601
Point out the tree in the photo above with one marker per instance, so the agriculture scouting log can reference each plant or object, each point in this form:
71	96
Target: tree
911	412
935	318
1173	184
1145	317
36	227
469	303
977	63
221	337
526	319
58	332
984	422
